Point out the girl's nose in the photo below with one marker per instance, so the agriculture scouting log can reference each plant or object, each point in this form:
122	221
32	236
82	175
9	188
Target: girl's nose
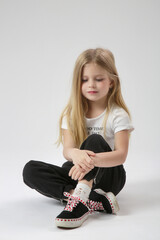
91	83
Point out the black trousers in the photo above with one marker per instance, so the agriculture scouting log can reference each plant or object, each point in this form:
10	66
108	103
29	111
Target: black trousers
53	181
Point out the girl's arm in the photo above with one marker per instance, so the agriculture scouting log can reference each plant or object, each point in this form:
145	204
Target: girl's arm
68	145
116	157
107	159
77	156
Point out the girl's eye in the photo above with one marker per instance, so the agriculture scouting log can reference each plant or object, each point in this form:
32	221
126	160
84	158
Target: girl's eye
84	80
99	80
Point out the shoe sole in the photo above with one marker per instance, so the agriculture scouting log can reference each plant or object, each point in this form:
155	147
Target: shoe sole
71	223
111	198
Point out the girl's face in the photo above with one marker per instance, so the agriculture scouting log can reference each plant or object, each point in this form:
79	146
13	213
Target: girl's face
95	83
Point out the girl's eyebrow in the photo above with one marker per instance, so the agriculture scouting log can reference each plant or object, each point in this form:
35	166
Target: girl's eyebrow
98	75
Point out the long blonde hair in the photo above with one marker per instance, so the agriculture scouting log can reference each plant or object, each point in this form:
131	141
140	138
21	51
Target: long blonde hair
77	105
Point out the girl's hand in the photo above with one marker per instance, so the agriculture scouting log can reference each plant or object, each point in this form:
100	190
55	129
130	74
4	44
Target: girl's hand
82	158
77	173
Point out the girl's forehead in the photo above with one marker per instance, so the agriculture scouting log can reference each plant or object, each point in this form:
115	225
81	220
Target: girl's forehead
93	68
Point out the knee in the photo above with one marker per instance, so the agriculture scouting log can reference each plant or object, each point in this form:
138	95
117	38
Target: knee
95	139
96	143
28	171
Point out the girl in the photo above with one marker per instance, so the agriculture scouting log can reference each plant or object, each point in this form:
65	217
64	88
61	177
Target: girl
94	130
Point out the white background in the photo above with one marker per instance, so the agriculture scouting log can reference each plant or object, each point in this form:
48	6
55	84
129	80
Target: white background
39	43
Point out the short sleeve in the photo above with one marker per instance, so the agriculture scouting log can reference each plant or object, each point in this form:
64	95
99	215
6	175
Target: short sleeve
121	121
64	123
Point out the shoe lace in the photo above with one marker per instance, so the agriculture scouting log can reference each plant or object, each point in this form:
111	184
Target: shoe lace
95	206
72	202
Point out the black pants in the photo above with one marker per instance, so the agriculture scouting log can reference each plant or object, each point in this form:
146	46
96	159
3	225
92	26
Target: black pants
52	180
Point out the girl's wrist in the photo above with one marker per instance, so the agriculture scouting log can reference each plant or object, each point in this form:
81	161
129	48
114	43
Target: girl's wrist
69	153
73	153
95	160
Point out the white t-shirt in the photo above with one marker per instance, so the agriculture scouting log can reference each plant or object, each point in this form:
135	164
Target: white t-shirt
118	120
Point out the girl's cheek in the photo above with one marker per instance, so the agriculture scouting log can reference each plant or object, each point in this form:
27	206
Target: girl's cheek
102	84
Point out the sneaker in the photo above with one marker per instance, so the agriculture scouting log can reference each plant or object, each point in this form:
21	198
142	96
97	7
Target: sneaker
74	214
102	201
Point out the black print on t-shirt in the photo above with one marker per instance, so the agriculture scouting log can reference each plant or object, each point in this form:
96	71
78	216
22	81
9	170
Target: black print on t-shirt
92	130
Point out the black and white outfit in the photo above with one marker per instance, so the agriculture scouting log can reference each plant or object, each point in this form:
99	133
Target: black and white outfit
53	181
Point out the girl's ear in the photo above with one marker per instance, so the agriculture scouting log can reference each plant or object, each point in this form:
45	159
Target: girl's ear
111	83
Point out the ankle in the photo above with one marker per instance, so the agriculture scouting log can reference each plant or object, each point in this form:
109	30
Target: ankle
88	183
71	191
82	190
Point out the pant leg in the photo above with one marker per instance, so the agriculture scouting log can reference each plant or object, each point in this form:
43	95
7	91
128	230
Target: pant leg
97	144
110	179
52	181
48	179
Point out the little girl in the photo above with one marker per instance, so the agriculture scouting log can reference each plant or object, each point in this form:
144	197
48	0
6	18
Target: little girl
94	129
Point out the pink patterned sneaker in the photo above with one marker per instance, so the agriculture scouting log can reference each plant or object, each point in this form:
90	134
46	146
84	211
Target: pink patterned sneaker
74	214
103	201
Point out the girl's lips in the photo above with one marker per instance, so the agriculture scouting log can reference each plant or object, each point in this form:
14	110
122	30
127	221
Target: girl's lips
92	92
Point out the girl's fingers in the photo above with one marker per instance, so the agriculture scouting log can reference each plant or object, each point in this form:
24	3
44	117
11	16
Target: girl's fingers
77	172
83	166
89	162
90	153
86	167
77	176
71	171
81	176
73	174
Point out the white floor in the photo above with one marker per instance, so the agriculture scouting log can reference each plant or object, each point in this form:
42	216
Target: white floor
27	215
